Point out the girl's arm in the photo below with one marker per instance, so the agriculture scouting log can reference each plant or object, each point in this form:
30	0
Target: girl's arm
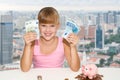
26	59
71	52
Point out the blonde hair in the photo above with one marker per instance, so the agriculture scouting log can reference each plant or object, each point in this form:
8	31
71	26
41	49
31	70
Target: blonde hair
48	15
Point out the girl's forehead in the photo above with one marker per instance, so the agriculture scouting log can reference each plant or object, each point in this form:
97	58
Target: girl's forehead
48	24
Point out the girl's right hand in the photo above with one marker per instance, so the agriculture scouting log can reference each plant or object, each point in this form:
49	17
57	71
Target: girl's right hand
29	37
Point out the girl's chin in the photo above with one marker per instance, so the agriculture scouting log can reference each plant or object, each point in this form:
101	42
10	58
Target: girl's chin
47	38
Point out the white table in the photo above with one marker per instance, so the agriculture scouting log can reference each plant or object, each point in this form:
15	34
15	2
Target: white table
55	74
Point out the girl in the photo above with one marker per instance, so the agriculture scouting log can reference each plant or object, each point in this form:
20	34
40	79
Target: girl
49	50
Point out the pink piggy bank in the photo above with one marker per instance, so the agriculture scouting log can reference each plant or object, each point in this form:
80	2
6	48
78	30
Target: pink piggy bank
89	70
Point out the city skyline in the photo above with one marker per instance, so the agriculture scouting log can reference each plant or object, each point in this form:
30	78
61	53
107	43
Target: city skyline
110	18
60	5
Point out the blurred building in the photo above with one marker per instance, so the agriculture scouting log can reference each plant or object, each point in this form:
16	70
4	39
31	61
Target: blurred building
99	40
90	33
99	34
118	20
6	39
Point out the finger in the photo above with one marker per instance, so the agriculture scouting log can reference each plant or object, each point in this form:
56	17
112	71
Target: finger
29	35
29	38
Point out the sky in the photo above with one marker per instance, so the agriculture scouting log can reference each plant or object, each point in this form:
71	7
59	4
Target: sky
60	4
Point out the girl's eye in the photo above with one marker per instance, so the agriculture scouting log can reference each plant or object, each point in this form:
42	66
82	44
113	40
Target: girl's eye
43	25
52	25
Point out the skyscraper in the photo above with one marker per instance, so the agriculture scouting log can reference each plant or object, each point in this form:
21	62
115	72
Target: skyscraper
99	37
6	39
99	34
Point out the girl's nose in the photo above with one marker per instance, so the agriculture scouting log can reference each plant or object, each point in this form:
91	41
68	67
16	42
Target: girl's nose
47	28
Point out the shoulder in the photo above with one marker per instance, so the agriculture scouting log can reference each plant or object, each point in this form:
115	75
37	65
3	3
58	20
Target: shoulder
36	42
34	45
63	41
60	38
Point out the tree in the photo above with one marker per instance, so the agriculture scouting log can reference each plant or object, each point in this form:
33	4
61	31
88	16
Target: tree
112	51
102	61
113	38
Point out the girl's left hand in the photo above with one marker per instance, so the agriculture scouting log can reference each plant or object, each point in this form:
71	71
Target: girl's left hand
72	39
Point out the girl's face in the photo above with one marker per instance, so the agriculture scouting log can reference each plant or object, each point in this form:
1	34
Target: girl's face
48	31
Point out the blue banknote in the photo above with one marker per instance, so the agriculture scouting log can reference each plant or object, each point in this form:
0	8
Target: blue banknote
71	27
